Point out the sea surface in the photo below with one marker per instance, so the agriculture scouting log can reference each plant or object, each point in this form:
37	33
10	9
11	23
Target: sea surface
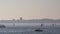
30	29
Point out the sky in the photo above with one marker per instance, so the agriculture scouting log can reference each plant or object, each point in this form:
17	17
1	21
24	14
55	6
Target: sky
29	9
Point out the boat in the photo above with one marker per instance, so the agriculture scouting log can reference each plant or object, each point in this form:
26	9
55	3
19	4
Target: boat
2	26
38	30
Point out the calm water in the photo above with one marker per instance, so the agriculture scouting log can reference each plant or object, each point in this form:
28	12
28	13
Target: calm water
30	30
25	28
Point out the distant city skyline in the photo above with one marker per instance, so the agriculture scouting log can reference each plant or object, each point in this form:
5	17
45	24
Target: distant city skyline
29	9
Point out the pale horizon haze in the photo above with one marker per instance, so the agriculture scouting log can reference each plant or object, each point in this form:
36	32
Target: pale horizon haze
29	9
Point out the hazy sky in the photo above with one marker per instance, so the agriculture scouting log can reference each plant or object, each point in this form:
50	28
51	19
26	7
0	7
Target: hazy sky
29	9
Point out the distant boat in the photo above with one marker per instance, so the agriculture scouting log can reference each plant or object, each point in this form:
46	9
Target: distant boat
42	25
38	30
2	26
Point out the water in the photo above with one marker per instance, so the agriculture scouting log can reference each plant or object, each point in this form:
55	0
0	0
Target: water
30	30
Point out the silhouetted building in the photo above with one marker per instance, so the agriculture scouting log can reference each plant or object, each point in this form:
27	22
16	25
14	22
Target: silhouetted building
21	18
